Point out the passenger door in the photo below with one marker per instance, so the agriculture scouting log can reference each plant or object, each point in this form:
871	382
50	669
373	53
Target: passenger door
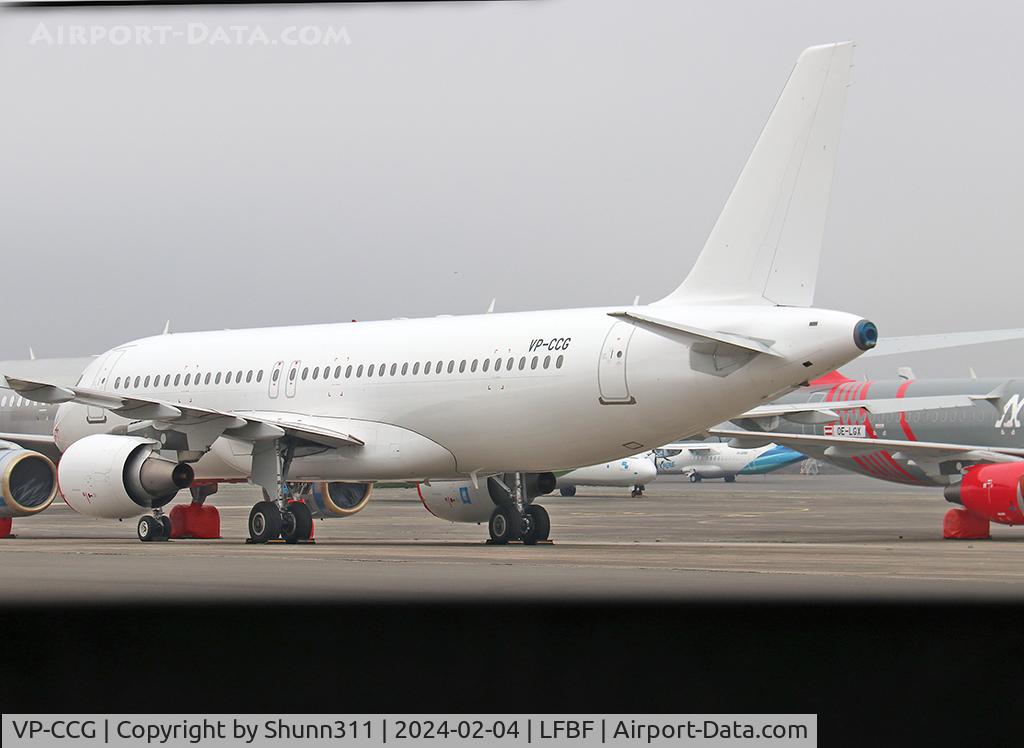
101	381
611	369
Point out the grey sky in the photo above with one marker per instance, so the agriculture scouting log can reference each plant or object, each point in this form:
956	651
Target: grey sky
551	153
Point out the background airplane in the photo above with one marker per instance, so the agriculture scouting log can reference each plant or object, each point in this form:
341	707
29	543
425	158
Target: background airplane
966	437
719	459
629	472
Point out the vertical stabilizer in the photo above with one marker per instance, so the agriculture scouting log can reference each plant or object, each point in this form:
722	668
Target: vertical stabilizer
765	246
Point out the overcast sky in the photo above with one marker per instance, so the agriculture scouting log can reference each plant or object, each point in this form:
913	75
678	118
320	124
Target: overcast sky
551	153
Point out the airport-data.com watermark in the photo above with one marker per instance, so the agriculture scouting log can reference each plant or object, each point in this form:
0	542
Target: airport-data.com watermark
192	34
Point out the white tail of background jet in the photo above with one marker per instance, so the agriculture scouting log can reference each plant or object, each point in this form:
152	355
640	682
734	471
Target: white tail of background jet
765	246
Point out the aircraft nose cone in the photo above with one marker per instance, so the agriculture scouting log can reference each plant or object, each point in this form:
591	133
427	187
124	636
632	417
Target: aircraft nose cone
645	470
865	335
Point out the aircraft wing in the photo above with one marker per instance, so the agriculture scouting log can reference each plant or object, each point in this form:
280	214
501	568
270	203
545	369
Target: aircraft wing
30	440
804	412
847	446
177	416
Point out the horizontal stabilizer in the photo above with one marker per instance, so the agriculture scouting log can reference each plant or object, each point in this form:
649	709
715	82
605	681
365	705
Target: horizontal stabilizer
915	343
663	325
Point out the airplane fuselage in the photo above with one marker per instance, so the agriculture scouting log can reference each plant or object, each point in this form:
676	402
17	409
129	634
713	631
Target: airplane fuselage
433	398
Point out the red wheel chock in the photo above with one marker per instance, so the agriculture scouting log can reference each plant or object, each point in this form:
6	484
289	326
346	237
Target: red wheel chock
961	524
195	521
5	527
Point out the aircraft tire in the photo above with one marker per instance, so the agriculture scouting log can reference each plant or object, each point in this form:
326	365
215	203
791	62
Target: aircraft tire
694	477
730	479
503	525
264	522
302	526
540	525
165	527
149	529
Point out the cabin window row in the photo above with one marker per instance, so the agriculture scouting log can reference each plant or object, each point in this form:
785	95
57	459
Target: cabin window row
350	371
430	367
186	380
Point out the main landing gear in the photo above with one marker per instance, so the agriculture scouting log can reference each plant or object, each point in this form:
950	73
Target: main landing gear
154	528
280	517
517	519
269	521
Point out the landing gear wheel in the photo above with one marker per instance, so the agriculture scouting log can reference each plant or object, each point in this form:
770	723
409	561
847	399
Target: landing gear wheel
539	526
730	479
694	478
265	522
634	493
301	525
165	525
149	529
504	525
567	490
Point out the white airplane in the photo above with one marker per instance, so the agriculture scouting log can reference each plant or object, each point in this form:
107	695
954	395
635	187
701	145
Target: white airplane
629	472
496	400
718	459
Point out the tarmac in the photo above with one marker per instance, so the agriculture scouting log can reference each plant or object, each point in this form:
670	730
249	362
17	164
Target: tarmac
774	537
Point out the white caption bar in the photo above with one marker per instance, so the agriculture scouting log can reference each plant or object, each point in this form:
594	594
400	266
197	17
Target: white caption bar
408	730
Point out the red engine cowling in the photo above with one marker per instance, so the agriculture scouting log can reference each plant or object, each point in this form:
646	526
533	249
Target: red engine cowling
992	491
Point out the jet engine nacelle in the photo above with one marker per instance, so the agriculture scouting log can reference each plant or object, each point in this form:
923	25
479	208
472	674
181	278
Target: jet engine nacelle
337	499
996	492
28	481
119	476
460	501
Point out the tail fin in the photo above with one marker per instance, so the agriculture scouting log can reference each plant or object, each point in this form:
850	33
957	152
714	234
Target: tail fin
765	246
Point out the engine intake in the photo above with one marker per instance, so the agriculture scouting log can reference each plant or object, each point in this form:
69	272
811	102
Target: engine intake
28	481
337	499
104	475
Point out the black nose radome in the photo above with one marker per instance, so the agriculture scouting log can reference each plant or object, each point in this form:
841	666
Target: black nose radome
865	335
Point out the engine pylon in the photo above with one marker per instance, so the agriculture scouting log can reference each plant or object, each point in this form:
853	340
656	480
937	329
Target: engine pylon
195	520
961	524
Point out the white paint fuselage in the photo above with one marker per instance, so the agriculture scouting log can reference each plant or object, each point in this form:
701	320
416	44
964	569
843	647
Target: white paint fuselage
626	472
620	388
